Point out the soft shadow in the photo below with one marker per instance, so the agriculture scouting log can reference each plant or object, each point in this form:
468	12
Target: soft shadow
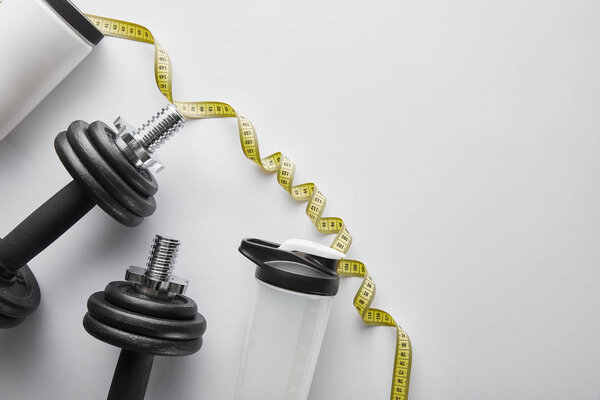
20	345
169	375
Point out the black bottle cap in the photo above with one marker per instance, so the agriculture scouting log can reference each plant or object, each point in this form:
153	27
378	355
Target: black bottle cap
77	20
291	270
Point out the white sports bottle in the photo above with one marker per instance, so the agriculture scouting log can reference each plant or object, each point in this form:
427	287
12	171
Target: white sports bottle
296	282
41	42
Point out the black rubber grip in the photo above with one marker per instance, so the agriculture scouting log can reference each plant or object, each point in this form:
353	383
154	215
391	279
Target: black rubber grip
44	226
131	376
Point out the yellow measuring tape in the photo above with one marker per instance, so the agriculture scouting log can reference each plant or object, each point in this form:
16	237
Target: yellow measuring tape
285	169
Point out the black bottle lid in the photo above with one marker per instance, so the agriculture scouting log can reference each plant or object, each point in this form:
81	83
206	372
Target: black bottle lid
77	20
295	270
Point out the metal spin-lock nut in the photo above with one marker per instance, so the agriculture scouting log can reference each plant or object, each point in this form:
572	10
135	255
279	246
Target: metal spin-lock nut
139	145
158	278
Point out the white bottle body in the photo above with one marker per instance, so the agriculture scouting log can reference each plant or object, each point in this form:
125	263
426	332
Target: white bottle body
39	49
283	342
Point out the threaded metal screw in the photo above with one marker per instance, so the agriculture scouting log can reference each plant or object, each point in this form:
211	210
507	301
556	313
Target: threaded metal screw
139	145
162	258
157	278
160	128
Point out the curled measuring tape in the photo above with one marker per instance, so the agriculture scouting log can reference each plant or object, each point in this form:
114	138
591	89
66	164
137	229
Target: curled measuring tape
285	168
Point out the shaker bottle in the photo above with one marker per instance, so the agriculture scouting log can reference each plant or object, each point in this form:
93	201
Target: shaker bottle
295	285
41	42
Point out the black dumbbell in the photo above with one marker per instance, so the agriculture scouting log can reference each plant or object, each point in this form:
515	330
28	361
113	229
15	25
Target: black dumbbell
110	170
146	315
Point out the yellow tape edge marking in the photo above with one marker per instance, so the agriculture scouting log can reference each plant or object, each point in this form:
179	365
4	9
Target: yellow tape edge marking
285	169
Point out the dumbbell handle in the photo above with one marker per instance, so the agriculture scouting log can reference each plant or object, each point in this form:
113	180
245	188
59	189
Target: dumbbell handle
44	226
131	376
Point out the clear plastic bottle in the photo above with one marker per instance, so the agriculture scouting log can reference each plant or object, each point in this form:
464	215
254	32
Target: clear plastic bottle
296	283
42	41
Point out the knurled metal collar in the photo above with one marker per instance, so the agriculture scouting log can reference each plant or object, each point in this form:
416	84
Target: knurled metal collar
174	286
139	156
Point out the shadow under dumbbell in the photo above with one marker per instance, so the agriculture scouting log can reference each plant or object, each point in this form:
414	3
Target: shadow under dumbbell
174	373
20	347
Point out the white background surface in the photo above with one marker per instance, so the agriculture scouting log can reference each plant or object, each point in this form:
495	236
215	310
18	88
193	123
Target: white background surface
459	141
